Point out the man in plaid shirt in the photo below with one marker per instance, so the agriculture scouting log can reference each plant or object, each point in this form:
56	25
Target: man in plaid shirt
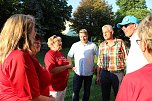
111	62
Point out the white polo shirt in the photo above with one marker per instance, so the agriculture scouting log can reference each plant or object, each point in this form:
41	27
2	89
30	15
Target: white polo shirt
135	59
83	57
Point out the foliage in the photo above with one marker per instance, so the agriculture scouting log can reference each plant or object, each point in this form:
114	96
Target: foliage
71	40
7	8
50	14
137	8
92	15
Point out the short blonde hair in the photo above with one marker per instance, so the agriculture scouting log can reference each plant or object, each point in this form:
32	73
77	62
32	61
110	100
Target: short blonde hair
144	31
52	40
16	34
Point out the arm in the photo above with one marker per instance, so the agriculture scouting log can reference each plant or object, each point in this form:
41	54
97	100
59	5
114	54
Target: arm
99	65
98	75
52	64
69	59
125	52
61	68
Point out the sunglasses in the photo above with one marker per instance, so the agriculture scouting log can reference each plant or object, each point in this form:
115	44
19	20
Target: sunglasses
126	25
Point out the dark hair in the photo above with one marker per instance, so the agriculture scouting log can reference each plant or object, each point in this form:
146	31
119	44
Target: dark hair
38	38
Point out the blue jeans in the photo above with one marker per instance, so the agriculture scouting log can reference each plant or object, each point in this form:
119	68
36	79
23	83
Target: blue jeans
77	83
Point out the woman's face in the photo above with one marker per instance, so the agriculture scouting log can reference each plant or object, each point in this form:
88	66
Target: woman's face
37	45
57	45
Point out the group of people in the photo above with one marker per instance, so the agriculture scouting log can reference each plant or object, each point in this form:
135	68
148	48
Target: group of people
23	78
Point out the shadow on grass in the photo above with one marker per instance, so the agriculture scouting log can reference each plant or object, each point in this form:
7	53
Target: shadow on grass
95	93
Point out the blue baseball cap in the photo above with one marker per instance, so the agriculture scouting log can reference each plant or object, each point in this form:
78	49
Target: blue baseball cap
127	20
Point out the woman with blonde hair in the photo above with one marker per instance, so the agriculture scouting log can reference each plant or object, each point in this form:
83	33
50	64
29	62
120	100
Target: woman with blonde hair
19	80
57	64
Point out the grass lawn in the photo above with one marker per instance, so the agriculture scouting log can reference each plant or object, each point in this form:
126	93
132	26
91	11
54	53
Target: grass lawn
95	89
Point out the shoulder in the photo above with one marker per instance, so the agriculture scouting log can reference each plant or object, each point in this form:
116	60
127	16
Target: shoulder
92	43
136	75
76	43
50	53
102	43
18	54
119	40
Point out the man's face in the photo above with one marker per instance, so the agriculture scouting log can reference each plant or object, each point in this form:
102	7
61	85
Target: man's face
107	34
129	29
83	37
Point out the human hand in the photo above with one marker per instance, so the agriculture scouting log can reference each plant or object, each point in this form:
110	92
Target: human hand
52	98
94	70
70	66
98	80
74	69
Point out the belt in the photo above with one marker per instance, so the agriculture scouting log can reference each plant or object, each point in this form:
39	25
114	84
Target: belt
117	71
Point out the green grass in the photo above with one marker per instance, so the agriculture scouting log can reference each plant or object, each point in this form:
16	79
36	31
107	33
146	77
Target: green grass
95	94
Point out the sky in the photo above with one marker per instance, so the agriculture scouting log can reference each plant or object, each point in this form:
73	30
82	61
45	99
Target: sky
75	4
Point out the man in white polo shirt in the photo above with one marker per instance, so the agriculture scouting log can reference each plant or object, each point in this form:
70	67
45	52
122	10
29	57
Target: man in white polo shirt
83	52
135	59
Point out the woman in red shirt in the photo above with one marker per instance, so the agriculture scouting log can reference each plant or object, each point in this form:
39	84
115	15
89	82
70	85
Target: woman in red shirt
19	80
43	74
58	66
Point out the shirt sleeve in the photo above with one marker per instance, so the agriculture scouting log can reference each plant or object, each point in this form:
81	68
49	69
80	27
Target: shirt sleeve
71	51
23	76
125	51
99	60
49	61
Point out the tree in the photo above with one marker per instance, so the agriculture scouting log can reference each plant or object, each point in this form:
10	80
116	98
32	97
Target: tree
50	14
137	8
7	8
92	15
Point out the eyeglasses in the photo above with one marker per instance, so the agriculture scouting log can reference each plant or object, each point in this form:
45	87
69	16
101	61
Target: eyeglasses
138	41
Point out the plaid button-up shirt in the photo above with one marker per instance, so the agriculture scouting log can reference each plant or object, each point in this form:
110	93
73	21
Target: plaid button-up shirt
112	58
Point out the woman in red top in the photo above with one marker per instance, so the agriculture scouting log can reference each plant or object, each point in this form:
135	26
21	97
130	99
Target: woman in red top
19	80
43	74
58	66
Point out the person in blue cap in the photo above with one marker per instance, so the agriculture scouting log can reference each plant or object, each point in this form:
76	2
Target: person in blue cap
129	25
136	86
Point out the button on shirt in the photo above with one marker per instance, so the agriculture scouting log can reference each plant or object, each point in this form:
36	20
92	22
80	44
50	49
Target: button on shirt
135	59
112	58
84	57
